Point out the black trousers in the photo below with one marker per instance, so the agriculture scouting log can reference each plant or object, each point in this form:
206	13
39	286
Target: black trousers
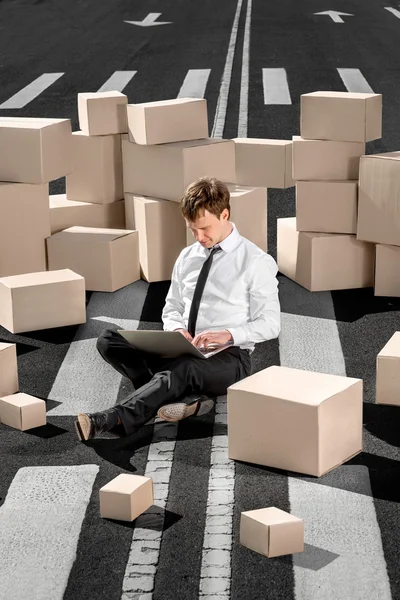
159	381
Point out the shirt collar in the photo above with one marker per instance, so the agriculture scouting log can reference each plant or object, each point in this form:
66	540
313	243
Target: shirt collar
231	242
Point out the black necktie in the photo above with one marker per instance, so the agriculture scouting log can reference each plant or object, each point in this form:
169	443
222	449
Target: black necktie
198	292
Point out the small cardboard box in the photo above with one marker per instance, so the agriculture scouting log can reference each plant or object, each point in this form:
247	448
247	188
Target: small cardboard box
44	300
108	259
271	532
22	411
166	170
263	162
24	227
162	235
327	206
295	420
97	173
341	116
34	150
379	199
67	213
102	113
387	271
166	121
248	213
323	261
9	383
126	497
316	160
388	372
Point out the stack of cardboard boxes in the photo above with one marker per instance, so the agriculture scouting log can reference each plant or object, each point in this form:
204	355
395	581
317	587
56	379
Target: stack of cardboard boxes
321	248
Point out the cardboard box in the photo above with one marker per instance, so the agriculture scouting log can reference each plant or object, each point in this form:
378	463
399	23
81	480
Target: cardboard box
295	420
44	300
263	162
108	259
67	213
102	113
387	271
97	172
341	116
9	383
166	121
162	235
327	206
323	261
22	411
271	532
388	372
34	150
24	226
248	213
316	160
165	171
126	497
379	199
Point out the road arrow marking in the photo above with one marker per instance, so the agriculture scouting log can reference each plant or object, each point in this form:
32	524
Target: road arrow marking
393	10
335	15
149	21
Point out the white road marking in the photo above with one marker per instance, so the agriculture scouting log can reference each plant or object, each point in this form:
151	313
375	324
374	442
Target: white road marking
244	85
222	103
40	523
355	81
195	83
31	91
117	82
394	11
275	86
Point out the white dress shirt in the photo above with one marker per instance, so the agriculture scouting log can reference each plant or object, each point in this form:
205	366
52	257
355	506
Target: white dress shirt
240	294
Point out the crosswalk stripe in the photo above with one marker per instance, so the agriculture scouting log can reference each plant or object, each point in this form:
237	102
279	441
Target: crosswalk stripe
275	85
31	91
195	83
394	11
40	523
117	82
244	84
355	81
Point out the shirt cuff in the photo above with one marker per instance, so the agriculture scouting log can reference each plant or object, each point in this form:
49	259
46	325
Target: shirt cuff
237	335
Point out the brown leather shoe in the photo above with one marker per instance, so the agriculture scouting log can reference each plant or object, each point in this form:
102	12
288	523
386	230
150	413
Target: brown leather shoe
180	410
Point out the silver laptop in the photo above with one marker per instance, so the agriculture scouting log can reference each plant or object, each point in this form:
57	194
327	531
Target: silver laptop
168	344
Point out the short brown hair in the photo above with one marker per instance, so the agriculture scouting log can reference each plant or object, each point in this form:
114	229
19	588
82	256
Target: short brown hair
206	193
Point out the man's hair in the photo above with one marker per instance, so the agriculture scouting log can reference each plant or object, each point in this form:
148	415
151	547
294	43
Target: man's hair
206	193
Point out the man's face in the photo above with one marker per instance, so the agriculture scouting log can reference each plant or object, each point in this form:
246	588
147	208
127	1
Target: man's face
209	229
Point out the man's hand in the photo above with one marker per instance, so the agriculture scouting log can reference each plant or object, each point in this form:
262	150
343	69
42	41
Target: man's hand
208	338
185	333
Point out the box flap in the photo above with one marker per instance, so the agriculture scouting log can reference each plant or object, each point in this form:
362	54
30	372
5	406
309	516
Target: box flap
384	155
28	122
344	95
61	201
20	399
92	234
94	95
4	345
271	516
262	141
41	278
160	103
392	347
125	483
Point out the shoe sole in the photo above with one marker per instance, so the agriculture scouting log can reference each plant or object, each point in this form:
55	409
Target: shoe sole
83	427
179	411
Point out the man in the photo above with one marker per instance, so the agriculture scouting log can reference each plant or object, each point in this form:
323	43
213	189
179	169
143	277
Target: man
223	290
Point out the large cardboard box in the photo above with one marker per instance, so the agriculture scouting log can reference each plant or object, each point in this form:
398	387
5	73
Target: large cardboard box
168	121
387	271
379	199
34	150
97	172
248	213
108	259
316	160
22	411
24	226
162	235
165	170
323	261
9	383
271	532
295	420
44	300
102	113
126	497
388	372
264	162
66	213
327	206
341	116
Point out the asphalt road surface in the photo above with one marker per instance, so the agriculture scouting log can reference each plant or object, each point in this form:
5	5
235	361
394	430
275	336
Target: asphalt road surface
251	60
